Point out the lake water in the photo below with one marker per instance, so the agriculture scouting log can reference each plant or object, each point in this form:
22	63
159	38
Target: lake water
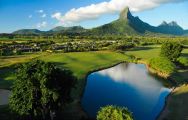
4	96
127	85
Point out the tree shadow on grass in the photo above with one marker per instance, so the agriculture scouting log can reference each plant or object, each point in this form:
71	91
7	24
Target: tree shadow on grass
60	64
185	55
141	48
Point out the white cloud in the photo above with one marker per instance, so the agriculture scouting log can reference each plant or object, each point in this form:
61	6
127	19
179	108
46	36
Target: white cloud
30	16
42	24
94	11
43	15
40	11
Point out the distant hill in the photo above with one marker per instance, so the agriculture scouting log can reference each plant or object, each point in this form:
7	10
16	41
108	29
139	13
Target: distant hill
186	32
28	31
127	24
74	29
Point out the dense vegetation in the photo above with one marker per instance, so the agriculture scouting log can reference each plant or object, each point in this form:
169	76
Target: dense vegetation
162	65
171	50
114	113
40	91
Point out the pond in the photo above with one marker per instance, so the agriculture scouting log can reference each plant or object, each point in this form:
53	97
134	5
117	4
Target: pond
127	85
4	96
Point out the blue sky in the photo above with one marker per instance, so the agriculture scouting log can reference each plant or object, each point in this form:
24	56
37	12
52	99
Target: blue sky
46	14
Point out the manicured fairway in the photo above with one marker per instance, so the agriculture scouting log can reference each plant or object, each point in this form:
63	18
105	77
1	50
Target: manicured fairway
149	52
7	61
145	52
81	63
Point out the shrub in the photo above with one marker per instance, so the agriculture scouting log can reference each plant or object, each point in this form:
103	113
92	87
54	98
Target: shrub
171	50
114	113
183	61
163	65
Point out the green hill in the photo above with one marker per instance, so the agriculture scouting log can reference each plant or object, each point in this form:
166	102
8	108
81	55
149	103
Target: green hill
28	31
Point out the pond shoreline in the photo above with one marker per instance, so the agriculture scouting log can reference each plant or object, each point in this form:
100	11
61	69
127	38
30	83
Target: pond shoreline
85	82
153	71
164	110
165	76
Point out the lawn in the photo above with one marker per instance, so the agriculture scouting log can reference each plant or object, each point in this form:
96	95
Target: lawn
79	63
149	52
6	61
83	62
144	52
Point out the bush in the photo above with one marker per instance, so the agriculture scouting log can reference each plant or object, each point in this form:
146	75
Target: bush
114	113
183	61
171	50
163	65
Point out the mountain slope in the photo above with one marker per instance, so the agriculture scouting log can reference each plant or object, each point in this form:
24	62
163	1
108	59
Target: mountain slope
28	31
74	29
128	25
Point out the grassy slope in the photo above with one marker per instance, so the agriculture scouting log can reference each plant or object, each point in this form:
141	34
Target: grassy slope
6	61
145	53
79	63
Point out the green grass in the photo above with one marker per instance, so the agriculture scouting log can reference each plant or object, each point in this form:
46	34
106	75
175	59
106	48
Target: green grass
6	61
79	63
149	52
145	53
162	65
185	53
83	62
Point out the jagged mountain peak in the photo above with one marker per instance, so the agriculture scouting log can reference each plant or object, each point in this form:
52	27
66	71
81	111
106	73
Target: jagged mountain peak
125	13
164	23
173	23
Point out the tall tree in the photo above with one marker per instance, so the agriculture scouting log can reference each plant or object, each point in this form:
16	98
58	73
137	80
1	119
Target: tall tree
40	90
171	50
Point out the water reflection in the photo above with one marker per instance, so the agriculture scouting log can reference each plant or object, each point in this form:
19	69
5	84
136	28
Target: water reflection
125	85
